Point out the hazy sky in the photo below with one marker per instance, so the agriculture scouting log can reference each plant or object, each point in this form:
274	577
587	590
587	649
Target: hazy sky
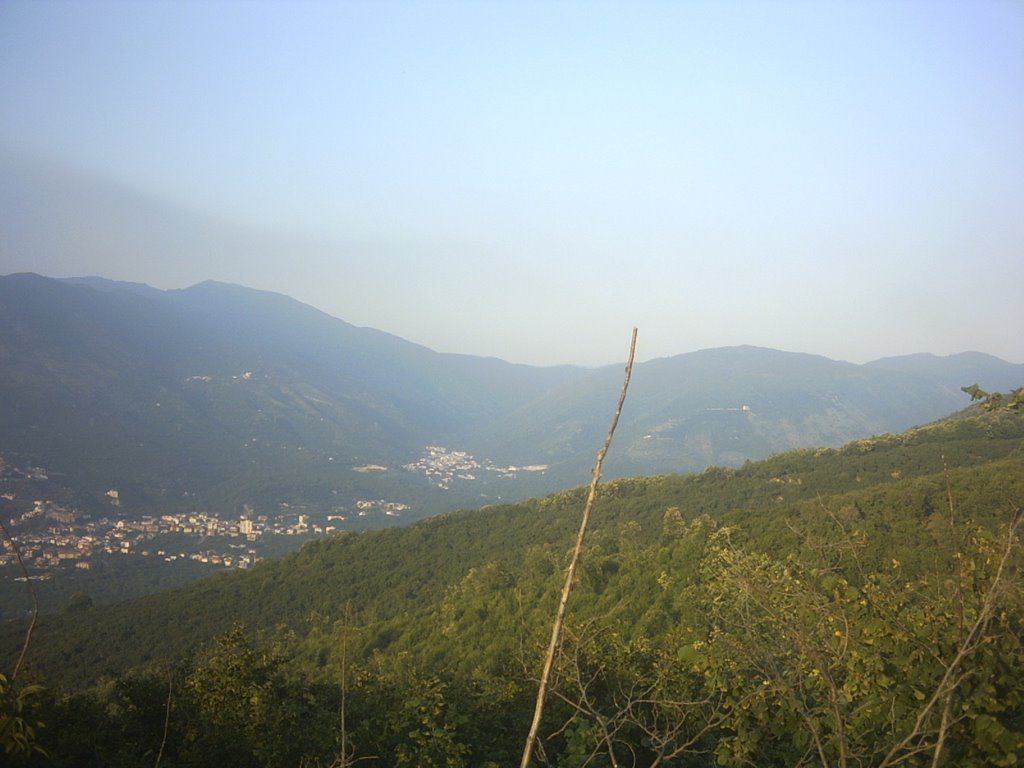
530	180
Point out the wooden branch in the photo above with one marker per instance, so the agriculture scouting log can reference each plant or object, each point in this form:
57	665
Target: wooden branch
35	602
570	577
167	716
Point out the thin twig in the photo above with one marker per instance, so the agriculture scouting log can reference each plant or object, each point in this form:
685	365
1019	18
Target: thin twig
957	555
556	630
167	717
35	602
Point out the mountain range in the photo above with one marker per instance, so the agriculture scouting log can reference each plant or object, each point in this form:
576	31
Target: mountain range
216	396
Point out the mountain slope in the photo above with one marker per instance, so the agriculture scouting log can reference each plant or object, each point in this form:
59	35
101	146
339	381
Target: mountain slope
724	406
893	485
216	396
168	393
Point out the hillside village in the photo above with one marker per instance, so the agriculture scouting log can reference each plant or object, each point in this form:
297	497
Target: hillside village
49	534
443	466
52	535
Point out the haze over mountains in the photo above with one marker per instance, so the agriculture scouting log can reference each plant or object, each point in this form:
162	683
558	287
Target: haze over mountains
216	396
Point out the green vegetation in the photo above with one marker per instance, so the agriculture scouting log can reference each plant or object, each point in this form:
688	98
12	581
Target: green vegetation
18	731
859	606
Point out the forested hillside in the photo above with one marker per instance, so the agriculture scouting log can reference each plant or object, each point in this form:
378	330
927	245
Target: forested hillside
854	606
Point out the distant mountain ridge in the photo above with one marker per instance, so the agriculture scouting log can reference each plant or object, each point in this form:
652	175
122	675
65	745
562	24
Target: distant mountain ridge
215	395
727	405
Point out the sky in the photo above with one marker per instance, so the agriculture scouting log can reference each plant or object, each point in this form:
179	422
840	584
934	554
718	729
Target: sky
529	180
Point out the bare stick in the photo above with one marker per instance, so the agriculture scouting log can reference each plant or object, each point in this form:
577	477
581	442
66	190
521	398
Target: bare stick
167	717
957	555
570	577
35	602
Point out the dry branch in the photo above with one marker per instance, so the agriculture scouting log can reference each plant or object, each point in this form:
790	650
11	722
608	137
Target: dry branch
570	577
35	602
